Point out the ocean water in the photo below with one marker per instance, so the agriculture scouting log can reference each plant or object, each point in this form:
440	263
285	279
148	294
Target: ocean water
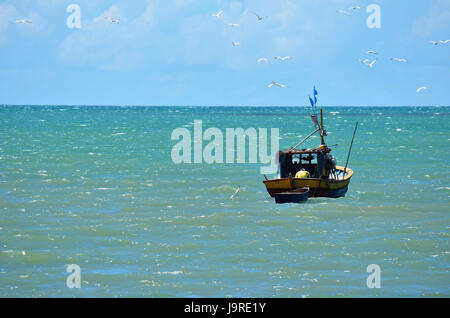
96	187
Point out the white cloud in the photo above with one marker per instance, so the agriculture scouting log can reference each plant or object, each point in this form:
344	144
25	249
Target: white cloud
109	45
173	32
8	14
437	20
208	40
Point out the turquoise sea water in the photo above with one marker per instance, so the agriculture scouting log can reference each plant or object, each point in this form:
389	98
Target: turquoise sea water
96	186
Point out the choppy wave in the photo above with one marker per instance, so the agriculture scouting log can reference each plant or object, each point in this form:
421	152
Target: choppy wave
95	186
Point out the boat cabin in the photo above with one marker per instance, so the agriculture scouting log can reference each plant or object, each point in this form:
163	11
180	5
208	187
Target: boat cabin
318	162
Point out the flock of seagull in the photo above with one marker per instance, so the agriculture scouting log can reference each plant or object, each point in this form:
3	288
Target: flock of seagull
260	18
365	61
371	63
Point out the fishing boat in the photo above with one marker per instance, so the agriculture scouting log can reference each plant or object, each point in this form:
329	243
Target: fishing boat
294	196
314	168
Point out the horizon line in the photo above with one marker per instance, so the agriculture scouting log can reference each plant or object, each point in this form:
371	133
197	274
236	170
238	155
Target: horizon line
250	106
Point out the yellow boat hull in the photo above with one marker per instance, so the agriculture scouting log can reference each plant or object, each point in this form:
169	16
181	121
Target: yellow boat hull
332	188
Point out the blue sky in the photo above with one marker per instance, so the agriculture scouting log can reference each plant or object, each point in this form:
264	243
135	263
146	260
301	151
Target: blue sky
176	53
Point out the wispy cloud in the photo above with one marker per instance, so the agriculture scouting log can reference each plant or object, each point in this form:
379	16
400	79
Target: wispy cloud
437	19
185	36
109	45
8	13
208	40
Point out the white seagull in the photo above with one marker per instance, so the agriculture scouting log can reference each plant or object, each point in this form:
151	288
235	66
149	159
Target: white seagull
276	84
233	25
112	20
372	63
218	14
371	52
399	59
365	61
236	192
343	12
262	59
282	58
434	42
444	42
23	21
355	8
235	43
420	89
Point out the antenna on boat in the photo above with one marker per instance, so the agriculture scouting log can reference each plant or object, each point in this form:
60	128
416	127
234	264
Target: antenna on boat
322	131
306	138
350	150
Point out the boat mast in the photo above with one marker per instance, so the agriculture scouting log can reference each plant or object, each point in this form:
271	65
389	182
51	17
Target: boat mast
350	150
321	127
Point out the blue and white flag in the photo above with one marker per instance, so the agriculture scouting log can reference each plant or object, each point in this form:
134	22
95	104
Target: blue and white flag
315	95
312	102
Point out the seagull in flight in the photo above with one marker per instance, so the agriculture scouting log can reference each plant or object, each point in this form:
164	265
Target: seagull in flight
434	42
355	8
112	20
365	61
236	192
235	43
260	18
218	14
372	63
23	21
262	59
276	84
282	58
399	59
371	52
343	12
420	89
444	42
233	25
